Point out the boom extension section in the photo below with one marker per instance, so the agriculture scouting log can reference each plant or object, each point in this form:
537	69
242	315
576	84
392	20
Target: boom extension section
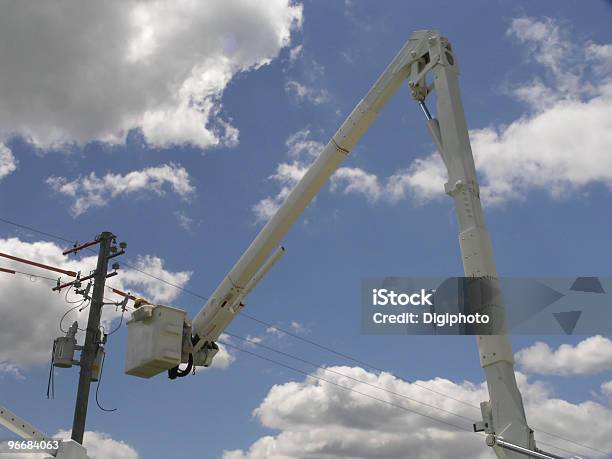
425	54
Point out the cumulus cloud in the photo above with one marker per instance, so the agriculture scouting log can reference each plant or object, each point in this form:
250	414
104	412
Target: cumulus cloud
295	53
357	181
561	144
253	341
224	357
303	92
30	312
549	44
184	220
600	56
99	445
592	355
75	73
273	334
93	191
157	291
423	178
306	85
8	163
539	150
8	368
300	145
297	327
318	420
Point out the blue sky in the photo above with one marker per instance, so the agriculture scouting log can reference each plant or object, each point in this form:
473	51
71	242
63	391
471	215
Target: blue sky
200	216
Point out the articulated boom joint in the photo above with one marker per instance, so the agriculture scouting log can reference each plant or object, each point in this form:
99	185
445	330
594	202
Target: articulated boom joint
438	51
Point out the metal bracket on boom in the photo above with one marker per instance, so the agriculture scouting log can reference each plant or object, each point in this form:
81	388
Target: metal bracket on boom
495	441
486	425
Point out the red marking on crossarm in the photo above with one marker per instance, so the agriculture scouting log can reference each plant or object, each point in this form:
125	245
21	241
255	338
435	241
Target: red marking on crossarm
38	265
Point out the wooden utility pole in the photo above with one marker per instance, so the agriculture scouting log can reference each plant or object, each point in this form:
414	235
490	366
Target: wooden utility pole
92	338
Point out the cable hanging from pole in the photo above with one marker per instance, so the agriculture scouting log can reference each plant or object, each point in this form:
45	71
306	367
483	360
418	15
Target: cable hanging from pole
98	388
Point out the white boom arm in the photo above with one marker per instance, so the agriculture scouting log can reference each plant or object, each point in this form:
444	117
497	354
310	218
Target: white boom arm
59	449
425	53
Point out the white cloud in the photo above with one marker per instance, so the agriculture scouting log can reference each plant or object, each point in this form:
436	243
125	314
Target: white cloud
274	331
224	357
317	420
601	56
157	291
305	83
252	341
357	181
541	151
274	334
550	45
422	180
356	19
27	331
99	445
82	72
592	355
300	145
302	150
8	163
287	175
93	191
297	327
8	368
295	53
184	220
302	92
563	144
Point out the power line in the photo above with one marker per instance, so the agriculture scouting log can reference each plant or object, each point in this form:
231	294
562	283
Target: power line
244	314
305	373
61	238
29	228
376	386
306	340
81	302
61	321
350	389
329	370
98	388
348	357
190	292
118	326
372	367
